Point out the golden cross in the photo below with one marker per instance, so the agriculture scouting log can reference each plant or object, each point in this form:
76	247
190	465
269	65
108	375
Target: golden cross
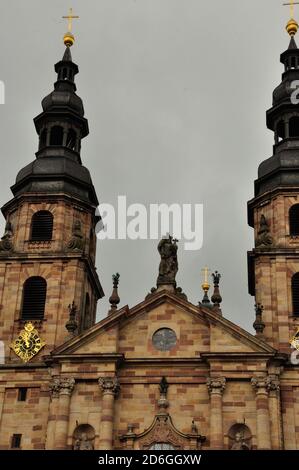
291	5
206	272
70	19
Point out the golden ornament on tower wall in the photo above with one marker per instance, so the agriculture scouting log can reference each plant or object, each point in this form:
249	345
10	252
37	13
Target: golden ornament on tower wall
28	343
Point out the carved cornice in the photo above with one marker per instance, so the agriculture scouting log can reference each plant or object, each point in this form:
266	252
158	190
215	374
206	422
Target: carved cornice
216	384
109	385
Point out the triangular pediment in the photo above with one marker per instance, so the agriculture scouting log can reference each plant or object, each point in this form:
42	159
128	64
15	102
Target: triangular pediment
199	331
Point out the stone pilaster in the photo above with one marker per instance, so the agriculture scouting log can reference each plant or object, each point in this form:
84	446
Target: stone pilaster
54	388
110	389
261	386
2	397
275	412
216	387
64	386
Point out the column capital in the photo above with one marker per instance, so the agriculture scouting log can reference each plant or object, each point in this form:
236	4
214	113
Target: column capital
109	385
216	384
54	387
273	383
260	384
62	386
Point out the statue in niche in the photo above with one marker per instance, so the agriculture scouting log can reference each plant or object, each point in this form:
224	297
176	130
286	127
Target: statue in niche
239	442
77	240
264	238
83	443
83	437
6	240
169	262
240	437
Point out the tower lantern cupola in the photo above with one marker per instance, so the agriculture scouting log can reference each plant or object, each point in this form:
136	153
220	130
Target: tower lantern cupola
62	123
61	127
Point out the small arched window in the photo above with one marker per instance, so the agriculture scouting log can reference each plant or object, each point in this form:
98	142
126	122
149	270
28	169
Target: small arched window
294	220
295	294
42	226
294	126
71	139
34	298
56	137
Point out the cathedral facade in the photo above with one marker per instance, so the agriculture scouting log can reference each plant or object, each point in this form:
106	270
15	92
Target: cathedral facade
165	374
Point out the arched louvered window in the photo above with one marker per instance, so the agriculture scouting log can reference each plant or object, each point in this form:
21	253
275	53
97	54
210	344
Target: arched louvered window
295	294
34	298
280	131
294	126
42	226
71	139
294	220
56	137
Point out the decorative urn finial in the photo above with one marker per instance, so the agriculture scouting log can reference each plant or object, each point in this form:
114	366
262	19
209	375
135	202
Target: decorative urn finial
216	297
114	299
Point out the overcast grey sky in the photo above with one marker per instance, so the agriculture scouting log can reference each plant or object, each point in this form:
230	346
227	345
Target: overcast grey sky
175	92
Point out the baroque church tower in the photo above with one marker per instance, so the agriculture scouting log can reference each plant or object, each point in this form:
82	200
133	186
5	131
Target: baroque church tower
165	374
47	254
274	213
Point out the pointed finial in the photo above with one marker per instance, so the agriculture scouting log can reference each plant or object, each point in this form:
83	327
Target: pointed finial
114	299
69	38
292	25
216	297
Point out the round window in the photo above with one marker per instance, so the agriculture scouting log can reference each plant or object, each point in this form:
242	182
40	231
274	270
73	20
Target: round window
164	339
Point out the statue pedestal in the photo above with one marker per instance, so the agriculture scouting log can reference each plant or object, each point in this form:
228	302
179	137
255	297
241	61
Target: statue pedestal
168	287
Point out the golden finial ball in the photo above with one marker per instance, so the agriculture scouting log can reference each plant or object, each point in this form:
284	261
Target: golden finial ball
68	39
292	27
205	286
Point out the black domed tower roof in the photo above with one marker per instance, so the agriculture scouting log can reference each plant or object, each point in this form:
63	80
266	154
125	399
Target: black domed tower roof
282	169
61	126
